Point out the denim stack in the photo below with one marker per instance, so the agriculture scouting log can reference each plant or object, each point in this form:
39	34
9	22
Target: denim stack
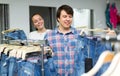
16	35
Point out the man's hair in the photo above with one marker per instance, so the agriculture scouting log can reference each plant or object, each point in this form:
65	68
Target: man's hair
66	8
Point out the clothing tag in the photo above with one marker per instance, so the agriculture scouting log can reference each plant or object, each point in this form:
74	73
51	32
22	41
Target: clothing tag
88	64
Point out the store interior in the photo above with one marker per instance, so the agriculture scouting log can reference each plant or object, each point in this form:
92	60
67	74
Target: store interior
99	50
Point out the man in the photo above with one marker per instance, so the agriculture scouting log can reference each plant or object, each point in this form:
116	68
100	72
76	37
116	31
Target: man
61	41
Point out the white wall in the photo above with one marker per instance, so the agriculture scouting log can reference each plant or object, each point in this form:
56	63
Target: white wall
19	10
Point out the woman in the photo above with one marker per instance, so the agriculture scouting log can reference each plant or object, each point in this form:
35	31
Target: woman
41	31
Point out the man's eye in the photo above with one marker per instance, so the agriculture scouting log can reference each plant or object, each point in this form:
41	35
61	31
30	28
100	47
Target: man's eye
70	16
64	16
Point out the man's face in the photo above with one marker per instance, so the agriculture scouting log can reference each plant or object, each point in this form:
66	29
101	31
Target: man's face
65	19
38	21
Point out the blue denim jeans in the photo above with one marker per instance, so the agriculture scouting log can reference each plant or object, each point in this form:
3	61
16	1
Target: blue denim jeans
16	35
33	69
103	69
28	69
12	66
49	67
3	66
81	54
95	48
89	48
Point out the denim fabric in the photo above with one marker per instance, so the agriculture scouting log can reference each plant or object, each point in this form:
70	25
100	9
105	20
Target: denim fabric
4	66
90	45
16	35
103	69
28	69
50	68
37	69
95	48
91	48
81	54
101	47
33	69
0	63
12	66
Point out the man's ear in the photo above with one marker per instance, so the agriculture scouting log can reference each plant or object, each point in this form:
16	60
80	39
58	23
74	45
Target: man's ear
58	19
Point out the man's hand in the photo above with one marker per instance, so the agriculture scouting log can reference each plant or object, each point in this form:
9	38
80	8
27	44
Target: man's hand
48	50
110	32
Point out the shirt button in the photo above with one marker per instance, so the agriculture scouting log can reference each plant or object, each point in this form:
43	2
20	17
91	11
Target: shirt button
66	62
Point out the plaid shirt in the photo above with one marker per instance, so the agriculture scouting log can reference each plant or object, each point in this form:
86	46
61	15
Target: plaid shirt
63	48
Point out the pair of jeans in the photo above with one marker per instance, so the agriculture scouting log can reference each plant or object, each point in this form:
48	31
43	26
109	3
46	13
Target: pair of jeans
16	35
89	46
3	66
95	48
26	68
49	67
81	54
12	66
92	48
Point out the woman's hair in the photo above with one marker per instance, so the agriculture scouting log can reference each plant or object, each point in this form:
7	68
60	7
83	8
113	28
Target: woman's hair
34	15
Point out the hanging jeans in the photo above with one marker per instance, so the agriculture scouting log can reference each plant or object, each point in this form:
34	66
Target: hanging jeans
12	66
3	66
50	68
95	48
28	69
90	49
81	54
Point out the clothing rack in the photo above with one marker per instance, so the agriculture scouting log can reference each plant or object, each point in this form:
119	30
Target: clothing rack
41	43
110	39
92	30
25	42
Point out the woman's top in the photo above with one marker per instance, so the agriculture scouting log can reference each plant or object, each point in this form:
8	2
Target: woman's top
35	35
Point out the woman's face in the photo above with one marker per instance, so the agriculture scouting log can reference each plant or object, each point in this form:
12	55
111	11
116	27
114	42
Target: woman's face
38	21
65	20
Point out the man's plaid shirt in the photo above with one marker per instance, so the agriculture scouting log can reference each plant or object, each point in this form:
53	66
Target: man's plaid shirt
63	46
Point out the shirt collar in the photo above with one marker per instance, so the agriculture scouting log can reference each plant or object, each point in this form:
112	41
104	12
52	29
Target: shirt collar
71	28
